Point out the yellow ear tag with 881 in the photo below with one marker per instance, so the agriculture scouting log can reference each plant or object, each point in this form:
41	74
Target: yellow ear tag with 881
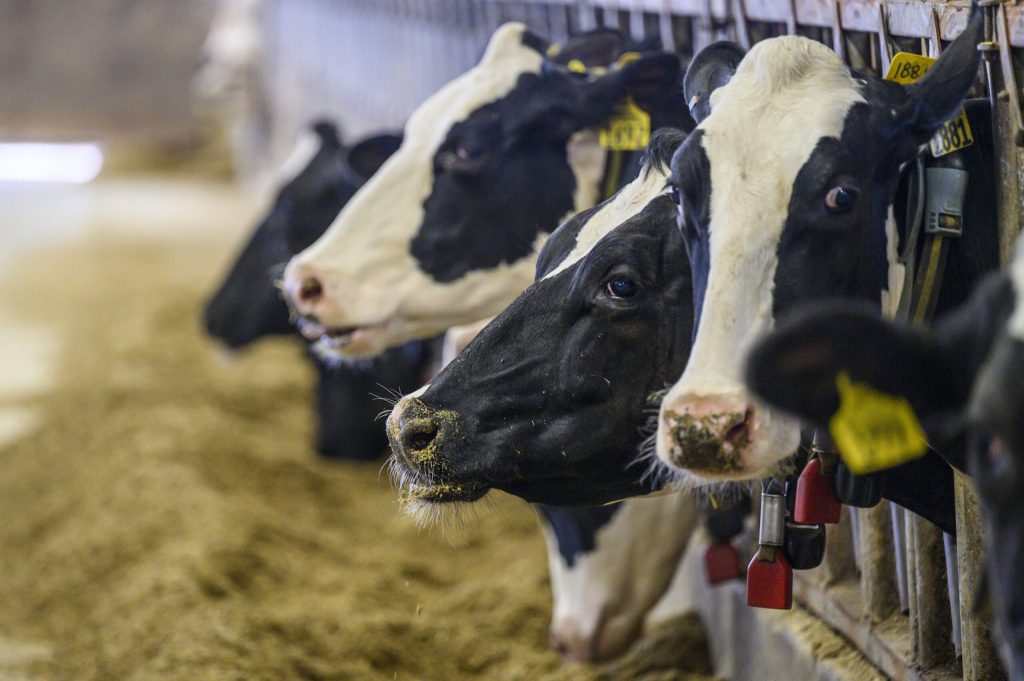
628	130
874	430
954	134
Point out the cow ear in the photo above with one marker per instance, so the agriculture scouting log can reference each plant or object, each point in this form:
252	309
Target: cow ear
710	69
510	39
797	365
599	47
938	96
369	155
646	79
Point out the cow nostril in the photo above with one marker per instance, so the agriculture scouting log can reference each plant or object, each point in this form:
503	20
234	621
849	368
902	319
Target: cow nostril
419	437
736	435
310	291
560	645
421	440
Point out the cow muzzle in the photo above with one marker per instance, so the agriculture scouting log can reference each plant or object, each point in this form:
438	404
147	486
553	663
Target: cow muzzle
599	640
708	436
420	437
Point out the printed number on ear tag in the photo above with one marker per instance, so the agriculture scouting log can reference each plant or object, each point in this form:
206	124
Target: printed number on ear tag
873	430
955	134
629	130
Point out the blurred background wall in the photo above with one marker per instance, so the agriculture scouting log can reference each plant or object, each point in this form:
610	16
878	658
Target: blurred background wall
99	69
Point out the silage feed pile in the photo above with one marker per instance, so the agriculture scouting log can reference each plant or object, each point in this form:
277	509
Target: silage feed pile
168	520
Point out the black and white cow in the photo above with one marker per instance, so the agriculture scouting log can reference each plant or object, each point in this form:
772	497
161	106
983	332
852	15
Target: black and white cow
786	190
609	564
967	370
609	567
448	232
317	179
549	400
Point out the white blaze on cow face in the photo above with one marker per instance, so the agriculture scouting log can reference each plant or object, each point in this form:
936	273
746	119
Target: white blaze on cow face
625	204
786	95
600	602
364	261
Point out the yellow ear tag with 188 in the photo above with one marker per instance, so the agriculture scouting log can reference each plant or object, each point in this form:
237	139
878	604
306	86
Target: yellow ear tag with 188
954	134
628	130
874	430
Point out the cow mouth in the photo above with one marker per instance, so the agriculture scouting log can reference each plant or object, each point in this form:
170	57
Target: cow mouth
336	339
441	493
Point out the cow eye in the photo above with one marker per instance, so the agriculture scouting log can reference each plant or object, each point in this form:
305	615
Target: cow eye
621	286
463	157
673	191
840	199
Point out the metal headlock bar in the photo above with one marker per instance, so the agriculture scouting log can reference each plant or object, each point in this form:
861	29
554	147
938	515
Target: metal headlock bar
891	583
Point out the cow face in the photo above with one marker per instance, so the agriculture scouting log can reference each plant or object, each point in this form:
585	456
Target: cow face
609	566
318	177
785	187
548	401
447	233
968	370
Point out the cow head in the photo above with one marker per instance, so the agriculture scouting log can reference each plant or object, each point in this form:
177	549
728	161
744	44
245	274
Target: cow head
609	566
318	177
447	233
785	188
548	401
967	370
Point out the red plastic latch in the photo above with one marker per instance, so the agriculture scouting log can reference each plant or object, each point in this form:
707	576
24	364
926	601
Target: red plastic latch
721	563
816	500
770	583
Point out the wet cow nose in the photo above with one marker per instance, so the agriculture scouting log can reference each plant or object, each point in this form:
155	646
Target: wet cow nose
708	434
306	290
310	290
415	432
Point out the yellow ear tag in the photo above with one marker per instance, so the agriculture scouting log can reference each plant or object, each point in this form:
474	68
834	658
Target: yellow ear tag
873	430
576	66
628	130
955	134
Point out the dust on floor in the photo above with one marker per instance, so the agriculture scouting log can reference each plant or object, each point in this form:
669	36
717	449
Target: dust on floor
168	520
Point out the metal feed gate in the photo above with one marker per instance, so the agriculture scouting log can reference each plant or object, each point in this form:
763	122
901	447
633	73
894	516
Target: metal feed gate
891	583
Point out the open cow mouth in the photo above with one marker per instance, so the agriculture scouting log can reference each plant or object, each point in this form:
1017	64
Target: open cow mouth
336	339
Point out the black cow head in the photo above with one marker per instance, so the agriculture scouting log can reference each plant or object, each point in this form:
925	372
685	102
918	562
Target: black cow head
321	176
785	188
966	371
318	179
548	401
448	232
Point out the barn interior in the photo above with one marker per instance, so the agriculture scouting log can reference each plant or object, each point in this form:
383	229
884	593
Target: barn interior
164	513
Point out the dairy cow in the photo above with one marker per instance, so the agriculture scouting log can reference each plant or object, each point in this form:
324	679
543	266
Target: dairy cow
966	371
609	564
786	190
316	180
448	232
549	400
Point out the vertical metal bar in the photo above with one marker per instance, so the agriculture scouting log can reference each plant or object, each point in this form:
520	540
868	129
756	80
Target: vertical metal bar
952	589
899	545
855	533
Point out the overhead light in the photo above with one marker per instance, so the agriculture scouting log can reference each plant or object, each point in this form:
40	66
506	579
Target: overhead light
44	162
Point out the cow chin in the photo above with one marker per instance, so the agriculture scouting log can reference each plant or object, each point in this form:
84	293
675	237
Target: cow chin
769	441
